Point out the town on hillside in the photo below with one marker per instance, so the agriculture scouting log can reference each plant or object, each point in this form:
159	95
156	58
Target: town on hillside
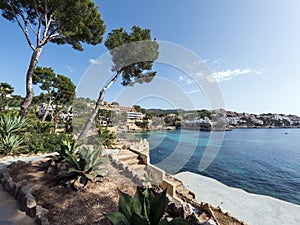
136	118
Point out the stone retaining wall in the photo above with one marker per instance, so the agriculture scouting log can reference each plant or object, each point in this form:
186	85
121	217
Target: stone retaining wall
23	194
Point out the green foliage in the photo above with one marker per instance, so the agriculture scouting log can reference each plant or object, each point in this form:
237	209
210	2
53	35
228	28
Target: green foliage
15	101
59	88
144	208
135	57
84	166
68	147
107	137
12	113
10	130
73	21
137	108
11	125
40	137
142	124
10	144
204	113
115	103
5	90
45	142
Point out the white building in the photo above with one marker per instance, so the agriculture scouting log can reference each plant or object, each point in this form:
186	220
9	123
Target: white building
135	115
43	108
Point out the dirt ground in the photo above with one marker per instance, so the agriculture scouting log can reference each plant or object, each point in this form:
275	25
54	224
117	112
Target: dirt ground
84	207
67	206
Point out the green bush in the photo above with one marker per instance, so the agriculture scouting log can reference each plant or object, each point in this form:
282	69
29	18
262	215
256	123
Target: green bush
43	142
40	137
145	208
107	137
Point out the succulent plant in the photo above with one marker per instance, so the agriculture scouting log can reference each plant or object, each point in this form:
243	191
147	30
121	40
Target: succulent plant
84	167
144	208
10	144
10	128
11	125
67	148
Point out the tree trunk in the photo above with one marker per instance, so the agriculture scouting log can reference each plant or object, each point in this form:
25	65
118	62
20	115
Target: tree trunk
47	110
29	91
97	107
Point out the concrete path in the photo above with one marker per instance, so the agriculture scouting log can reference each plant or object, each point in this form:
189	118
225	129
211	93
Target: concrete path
9	210
251	208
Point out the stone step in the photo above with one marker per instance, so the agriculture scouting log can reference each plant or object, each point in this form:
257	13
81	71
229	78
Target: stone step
138	167
175	182
141	173
131	162
182	190
127	154
128	157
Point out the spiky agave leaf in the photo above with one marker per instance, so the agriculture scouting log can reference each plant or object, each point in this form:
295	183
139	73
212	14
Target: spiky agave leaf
179	221
125	202
10	143
158	206
117	218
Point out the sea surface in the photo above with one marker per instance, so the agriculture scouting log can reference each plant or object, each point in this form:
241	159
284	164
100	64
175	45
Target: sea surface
260	161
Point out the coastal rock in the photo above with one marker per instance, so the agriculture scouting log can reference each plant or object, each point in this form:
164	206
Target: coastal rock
175	210
193	219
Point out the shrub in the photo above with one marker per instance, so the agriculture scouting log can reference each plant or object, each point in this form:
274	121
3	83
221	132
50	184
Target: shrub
40	137
43	142
143	209
107	137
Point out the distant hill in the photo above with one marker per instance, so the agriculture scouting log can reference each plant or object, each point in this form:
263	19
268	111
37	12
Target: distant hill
165	111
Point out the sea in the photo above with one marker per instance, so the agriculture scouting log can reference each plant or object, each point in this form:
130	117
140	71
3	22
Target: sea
260	161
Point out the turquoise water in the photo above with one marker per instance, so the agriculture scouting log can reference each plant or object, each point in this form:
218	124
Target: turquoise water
261	161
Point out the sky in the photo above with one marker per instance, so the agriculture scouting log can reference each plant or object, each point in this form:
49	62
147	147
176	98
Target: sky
250	47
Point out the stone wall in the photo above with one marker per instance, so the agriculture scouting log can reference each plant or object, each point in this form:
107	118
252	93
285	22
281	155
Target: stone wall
23	195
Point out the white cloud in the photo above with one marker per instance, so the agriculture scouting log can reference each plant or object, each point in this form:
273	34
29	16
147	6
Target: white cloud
94	61
258	72
185	80
229	74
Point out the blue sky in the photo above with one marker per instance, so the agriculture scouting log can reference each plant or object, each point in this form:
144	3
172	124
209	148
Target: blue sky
252	48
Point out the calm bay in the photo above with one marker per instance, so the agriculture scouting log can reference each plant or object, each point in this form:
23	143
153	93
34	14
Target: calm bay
260	161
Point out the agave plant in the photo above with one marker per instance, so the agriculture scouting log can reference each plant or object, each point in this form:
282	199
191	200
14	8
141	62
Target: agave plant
11	125
144	208
10	143
67	148
84	167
